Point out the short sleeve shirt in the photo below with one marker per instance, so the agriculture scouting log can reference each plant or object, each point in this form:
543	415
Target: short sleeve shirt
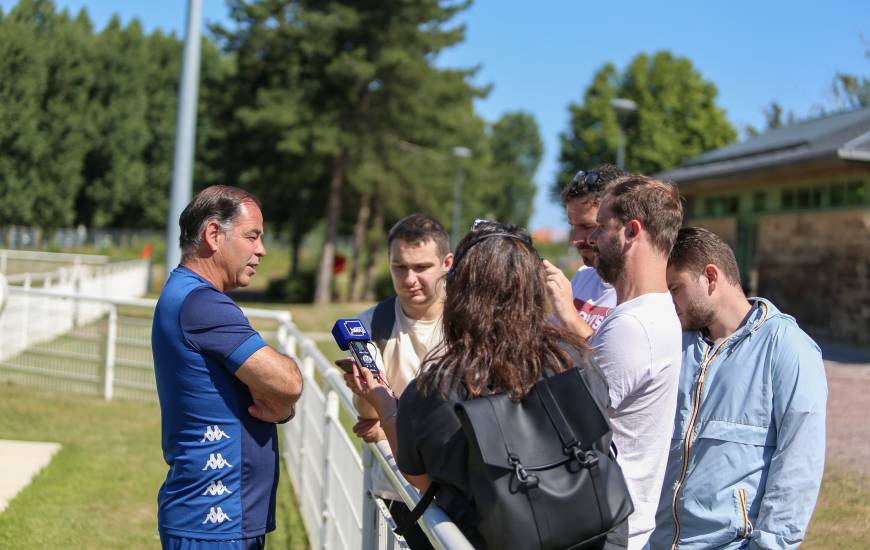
223	466
593	298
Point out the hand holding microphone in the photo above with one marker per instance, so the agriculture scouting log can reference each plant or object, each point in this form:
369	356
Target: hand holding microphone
362	374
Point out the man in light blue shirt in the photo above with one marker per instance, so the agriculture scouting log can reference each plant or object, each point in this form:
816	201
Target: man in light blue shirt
748	449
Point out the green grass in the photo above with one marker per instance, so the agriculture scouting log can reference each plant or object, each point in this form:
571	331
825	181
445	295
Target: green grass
842	516
100	491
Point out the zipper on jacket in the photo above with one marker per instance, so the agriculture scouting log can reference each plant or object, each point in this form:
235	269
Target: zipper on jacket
697	393
693	418
743	500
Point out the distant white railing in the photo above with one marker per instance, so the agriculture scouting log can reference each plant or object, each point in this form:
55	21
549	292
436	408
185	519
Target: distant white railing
11	256
107	352
34	316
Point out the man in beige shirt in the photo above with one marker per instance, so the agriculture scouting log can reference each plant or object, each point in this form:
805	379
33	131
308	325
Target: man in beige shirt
405	328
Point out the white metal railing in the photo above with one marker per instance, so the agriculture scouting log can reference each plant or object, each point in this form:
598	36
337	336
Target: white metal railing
8	256
322	471
35	316
110	355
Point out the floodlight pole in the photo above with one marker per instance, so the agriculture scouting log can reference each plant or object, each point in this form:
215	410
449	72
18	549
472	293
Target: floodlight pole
622	106
185	134
462	153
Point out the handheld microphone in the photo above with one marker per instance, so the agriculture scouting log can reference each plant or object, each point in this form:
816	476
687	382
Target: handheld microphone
351	334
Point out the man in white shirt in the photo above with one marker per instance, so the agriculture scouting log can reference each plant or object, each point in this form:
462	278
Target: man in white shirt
582	303
638	345
405	328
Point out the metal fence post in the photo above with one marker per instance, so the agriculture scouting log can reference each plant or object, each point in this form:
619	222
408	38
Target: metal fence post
77	288
111	336
25	321
285	337
331	418
301	414
3	258
369	510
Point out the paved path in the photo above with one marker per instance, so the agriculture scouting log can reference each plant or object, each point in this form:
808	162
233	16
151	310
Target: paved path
19	462
849	415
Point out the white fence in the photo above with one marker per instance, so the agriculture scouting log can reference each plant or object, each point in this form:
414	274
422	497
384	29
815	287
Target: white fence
30	318
106	351
31	261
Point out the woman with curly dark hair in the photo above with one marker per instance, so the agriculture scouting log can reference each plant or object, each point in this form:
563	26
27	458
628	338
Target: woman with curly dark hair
498	340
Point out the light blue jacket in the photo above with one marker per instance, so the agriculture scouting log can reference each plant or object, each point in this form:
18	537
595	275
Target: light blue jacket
746	459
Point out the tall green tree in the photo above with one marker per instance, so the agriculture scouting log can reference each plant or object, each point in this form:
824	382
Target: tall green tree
340	86
775	116
676	118
22	82
517	149
115	170
851	91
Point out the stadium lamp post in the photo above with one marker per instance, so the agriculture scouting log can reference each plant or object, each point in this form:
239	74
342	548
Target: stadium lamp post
460	153
623	107
185	133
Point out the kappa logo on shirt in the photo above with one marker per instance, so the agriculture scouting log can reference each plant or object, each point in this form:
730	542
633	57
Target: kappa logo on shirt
216	461
217	489
214	433
216	515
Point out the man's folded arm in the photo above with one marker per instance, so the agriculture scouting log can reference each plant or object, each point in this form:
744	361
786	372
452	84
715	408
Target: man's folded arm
275	383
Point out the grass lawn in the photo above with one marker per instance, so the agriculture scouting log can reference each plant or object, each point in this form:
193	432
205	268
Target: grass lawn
100	491
842	516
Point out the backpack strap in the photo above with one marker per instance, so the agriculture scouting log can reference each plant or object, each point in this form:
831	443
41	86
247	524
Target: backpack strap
557	417
383	319
417	512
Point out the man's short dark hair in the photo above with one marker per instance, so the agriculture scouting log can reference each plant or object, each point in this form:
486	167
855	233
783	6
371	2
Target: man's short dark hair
419	228
221	203
655	204
696	248
591	185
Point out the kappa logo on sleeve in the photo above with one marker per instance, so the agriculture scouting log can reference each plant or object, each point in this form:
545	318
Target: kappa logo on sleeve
216	515
216	461
216	489
214	433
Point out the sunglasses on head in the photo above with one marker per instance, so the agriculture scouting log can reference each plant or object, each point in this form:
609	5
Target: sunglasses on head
589	181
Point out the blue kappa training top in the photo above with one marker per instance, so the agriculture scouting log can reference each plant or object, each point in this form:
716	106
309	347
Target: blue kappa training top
223	463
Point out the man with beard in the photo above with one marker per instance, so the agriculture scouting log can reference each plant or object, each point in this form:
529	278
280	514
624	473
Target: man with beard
637	345
583	303
748	450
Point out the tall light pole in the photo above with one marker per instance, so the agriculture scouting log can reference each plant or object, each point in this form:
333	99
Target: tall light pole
622	107
461	153
185	134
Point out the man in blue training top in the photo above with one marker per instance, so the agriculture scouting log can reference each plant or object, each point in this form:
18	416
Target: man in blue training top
222	389
748	449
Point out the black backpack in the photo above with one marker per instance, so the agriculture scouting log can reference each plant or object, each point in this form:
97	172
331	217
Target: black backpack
541	472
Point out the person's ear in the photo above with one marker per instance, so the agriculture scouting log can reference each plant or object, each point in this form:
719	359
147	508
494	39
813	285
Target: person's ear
213	231
711	273
632	229
447	262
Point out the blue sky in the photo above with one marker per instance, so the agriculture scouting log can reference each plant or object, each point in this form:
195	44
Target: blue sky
540	56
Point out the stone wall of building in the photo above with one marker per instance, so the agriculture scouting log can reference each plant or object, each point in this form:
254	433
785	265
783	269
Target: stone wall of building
816	267
724	227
